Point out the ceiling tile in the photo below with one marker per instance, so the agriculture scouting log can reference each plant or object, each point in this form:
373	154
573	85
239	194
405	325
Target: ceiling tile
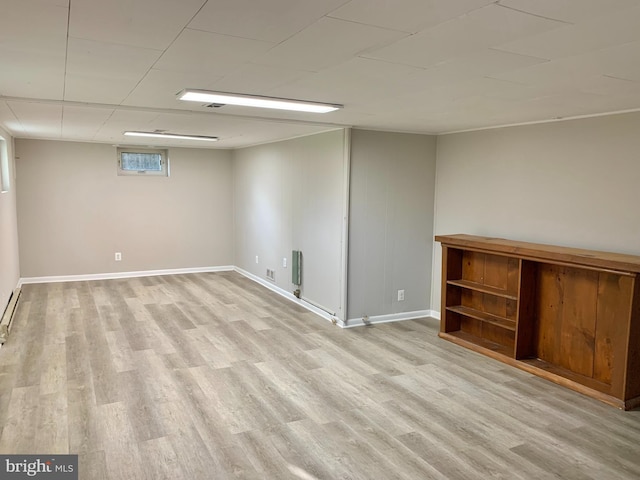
561	72
568	104
104	72
621	61
209	53
571	11
272	21
54	3
356	80
256	132
406	15
9	121
609	86
480	29
327	42
159	88
112	131
438	100
39	120
83	122
32	74
258	79
522	93
487	62
21	29
604	31
32	49
141	23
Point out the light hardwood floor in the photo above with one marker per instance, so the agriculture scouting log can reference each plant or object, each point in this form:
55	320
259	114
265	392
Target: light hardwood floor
210	376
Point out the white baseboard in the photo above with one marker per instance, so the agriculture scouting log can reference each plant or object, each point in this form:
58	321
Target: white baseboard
288	295
392	317
114	275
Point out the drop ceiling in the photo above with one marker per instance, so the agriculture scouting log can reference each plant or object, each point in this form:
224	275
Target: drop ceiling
87	70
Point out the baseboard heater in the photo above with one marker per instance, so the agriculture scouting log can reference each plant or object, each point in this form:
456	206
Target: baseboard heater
317	305
7	317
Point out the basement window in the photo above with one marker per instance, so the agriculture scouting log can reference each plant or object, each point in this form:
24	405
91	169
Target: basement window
5	183
143	161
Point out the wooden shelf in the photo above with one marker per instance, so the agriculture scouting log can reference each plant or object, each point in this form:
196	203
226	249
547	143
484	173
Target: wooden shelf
478	287
484	317
567	315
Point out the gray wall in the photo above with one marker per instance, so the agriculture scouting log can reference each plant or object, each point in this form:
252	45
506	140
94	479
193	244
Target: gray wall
74	212
573	183
9	258
391	222
289	196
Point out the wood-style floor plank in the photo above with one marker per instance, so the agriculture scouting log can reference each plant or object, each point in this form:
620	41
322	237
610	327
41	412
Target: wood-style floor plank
211	376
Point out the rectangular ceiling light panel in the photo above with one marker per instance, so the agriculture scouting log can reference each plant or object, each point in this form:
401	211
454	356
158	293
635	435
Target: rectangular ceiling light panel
204	96
171	135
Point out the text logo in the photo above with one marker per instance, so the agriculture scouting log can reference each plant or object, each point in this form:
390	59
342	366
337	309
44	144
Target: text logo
50	467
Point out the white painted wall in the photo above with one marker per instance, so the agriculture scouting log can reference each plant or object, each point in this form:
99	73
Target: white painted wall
391	222
573	183
290	196
75	212
9	256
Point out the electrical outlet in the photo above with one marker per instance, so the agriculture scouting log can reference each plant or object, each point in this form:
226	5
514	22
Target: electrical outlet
257	259
401	295
271	274
118	256
284	262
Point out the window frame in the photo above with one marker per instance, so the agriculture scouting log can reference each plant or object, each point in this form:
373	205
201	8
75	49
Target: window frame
164	153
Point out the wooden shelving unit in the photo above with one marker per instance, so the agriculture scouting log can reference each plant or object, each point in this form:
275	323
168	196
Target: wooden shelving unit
568	315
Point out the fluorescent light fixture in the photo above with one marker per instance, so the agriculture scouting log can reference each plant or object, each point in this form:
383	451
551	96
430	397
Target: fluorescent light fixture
255	101
171	135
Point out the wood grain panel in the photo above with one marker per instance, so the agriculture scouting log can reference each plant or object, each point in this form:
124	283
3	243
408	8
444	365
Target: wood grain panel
613	312
579	307
513	275
496	271
472	299
499	335
494	305
473	266
511	309
549	296
471	326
